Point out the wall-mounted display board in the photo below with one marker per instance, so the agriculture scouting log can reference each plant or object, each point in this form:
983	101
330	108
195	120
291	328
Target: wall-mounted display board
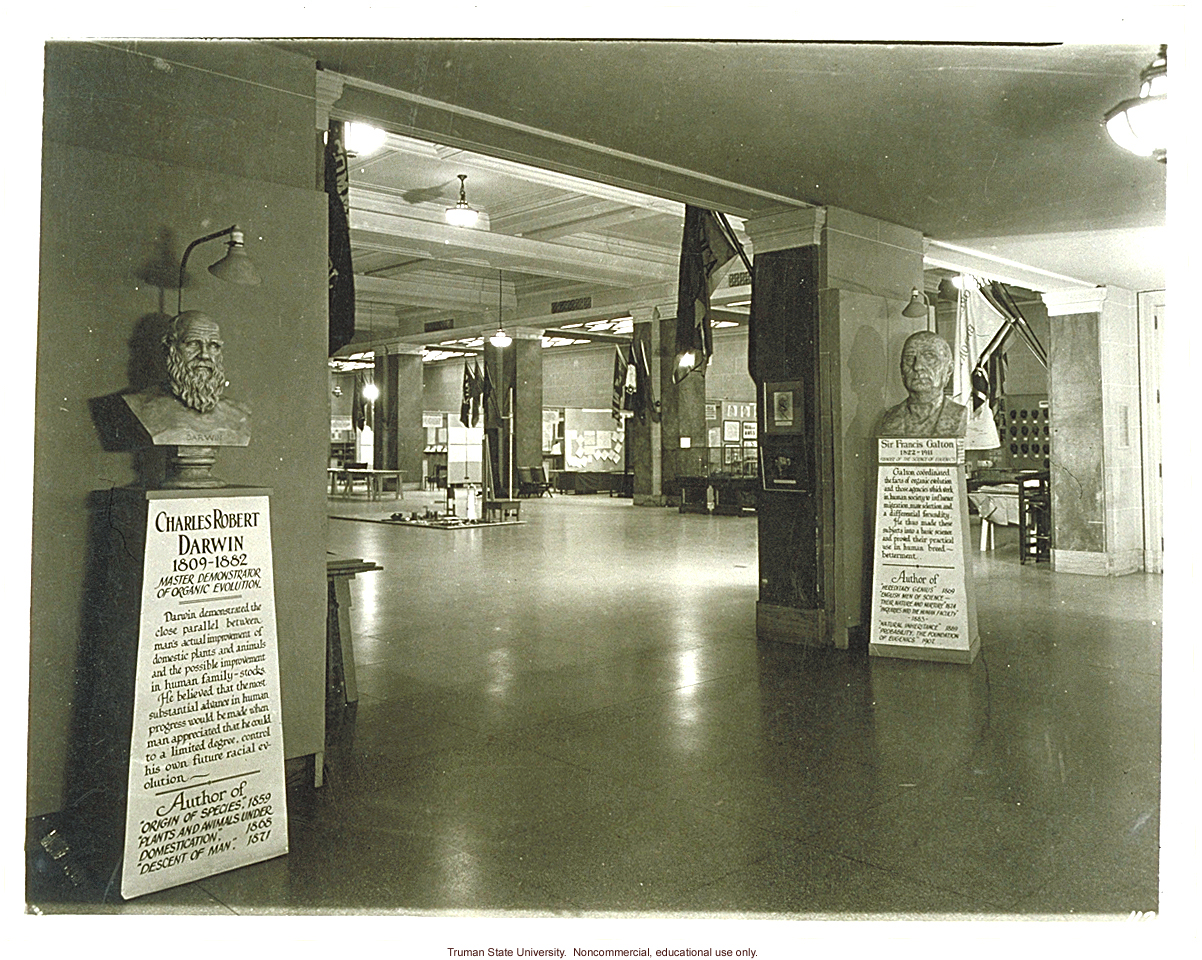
1024	426
737	410
206	767
593	441
922	606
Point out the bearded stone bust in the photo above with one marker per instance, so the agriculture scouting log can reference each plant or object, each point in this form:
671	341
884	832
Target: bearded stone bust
188	411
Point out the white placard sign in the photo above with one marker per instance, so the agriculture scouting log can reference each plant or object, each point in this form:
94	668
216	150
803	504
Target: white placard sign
206	772
922	604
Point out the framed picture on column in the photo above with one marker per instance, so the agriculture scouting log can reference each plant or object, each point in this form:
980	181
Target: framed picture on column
784	407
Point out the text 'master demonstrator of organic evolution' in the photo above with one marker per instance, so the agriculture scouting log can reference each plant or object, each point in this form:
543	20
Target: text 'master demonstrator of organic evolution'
922	597
206	773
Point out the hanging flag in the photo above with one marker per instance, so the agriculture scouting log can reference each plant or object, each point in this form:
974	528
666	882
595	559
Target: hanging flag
465	403
978	328
477	393
341	274
488	400
704	250
618	401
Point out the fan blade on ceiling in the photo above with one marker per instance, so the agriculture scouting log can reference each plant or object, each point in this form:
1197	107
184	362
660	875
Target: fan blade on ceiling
426	194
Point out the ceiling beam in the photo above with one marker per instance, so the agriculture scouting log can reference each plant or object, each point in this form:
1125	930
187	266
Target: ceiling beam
407	237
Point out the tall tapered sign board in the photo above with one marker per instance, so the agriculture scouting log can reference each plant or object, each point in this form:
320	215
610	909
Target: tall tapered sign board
922	599
206	769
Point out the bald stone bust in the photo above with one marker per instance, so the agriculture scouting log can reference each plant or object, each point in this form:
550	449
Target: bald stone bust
189	411
926	364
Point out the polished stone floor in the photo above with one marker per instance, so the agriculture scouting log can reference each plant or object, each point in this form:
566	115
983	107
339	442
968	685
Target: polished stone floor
572	716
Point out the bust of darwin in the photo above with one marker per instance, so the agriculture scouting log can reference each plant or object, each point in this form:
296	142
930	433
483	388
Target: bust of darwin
188	410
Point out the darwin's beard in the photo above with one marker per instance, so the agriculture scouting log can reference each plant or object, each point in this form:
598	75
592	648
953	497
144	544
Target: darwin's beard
197	384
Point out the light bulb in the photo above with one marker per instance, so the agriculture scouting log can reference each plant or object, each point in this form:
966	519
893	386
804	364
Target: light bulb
362	139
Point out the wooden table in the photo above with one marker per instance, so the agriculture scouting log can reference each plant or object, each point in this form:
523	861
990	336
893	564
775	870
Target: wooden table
371	478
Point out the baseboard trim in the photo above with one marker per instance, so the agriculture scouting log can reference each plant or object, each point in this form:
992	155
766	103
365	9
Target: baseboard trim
1093	564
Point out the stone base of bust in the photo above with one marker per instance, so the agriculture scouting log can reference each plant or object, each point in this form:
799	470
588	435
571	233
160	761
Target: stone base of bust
194	435
171	424
189	469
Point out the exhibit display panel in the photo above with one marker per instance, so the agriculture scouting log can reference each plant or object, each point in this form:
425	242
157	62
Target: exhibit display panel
923	606
206	786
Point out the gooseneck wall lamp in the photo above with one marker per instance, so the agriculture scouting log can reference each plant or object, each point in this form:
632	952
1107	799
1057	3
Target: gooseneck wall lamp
917	307
234	267
1141	124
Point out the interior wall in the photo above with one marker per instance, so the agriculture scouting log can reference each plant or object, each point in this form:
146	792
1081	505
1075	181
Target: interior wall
726	376
145	147
442	386
578	377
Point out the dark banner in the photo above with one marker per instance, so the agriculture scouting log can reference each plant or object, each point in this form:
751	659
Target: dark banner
342	277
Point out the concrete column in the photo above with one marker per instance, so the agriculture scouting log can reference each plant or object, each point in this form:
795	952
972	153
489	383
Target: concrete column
682	416
829	287
513	426
647	438
1093	390
398	435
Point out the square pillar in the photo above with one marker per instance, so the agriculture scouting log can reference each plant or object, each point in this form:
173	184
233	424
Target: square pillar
513	424
1096	473
682	417
398	435
646	437
826	323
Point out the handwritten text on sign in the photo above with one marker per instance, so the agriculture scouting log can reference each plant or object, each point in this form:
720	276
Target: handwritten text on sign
206	774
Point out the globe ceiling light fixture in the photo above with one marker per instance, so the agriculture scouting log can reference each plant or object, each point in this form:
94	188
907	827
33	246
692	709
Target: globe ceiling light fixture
371	393
234	267
917	307
1141	124
500	339
462	215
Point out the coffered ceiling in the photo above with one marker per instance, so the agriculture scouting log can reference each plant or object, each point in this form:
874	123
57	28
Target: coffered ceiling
580	155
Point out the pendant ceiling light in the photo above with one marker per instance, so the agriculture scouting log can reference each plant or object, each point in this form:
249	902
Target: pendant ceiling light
1141	124
500	339
462	215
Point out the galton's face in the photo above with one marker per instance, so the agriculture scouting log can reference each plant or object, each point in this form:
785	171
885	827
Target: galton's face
925	366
